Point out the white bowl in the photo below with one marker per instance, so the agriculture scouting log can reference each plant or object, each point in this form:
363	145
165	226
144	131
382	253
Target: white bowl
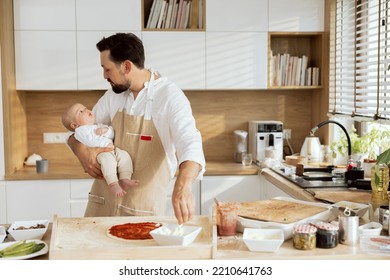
263	240
2	234
171	234
27	234
371	229
359	208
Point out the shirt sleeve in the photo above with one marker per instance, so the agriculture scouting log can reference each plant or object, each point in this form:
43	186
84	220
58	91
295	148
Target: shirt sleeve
186	137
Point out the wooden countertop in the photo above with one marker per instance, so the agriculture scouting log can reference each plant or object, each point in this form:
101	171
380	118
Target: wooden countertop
213	168
235	248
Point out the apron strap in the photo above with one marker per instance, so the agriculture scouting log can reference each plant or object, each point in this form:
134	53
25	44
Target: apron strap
149	97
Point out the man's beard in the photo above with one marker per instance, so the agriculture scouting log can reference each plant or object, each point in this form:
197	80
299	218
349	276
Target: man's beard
119	88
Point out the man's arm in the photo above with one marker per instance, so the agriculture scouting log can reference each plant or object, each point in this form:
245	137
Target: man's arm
87	157
182	197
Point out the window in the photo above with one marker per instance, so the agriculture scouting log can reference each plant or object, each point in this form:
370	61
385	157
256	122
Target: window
359	59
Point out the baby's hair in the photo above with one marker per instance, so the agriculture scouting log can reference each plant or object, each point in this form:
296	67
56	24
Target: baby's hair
67	118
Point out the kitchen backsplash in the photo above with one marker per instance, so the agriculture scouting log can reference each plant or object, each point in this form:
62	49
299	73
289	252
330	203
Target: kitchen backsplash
217	113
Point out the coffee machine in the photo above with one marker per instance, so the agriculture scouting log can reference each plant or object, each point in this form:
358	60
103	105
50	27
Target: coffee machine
266	140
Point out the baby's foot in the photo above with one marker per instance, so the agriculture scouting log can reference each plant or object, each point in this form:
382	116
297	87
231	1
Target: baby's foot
116	189
127	183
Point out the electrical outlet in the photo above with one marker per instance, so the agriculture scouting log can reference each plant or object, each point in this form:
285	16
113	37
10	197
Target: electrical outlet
54	137
287	133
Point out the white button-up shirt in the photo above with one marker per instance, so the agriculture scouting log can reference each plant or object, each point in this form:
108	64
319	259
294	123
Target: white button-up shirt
171	115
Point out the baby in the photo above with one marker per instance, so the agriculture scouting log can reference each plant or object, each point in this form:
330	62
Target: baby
79	119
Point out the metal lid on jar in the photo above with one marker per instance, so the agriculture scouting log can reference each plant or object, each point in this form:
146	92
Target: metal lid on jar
324	226
304	228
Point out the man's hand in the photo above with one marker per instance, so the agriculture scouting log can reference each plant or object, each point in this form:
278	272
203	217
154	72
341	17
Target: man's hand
182	198
87	157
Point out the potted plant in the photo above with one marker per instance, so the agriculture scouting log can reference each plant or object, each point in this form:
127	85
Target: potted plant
362	147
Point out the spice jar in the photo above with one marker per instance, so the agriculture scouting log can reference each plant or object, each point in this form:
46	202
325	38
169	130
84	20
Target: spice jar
304	236
327	235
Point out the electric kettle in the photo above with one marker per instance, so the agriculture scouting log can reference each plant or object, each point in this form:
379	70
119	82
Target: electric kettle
311	149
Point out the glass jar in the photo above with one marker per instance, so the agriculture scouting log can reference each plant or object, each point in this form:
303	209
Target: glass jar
379	186
327	235
304	236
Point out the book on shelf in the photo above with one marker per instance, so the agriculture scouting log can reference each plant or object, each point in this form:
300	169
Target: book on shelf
169	14
162	13
156	13
154	4
179	14
174	15
200	14
288	70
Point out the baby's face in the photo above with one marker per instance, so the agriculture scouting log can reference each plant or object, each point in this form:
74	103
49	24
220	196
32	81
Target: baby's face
81	115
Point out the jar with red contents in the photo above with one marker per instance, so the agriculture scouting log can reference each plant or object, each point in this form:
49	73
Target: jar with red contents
304	236
327	234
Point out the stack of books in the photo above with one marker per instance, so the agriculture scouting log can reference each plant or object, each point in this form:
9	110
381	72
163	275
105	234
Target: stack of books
288	70
176	14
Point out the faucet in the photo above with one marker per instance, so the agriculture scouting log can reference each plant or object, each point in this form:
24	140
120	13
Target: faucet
314	129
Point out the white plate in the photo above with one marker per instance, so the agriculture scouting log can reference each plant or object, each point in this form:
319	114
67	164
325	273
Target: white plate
43	251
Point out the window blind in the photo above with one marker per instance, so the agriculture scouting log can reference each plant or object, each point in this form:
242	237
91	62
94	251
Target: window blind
359	59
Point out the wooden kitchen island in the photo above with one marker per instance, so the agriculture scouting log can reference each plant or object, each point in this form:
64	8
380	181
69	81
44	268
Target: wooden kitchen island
233	248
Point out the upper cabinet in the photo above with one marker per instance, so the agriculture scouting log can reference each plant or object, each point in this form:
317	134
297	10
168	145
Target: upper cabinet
236	60
44	15
243	15
180	56
45	44
296	16
226	48
45	60
101	15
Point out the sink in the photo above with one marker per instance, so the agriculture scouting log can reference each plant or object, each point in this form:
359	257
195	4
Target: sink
313	177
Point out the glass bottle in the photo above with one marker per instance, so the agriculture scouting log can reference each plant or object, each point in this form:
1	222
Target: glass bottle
379	186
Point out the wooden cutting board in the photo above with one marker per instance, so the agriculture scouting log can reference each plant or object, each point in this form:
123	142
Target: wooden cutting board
86	239
336	196
279	211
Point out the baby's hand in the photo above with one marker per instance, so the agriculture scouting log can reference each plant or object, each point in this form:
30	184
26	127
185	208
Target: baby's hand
101	130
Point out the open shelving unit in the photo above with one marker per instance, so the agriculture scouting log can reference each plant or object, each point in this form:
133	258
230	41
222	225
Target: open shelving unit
167	20
298	45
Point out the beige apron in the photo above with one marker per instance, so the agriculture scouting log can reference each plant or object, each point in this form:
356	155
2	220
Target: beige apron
138	136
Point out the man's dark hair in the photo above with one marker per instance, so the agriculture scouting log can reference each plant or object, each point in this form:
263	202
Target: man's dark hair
123	46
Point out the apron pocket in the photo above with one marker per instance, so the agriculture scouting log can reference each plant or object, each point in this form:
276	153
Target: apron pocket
127	211
95	198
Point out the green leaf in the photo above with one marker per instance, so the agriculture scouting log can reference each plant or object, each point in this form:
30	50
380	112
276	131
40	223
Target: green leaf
384	157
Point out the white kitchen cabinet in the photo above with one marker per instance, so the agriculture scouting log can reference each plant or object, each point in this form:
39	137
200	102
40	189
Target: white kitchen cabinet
269	190
3	203
108	15
45	60
296	16
79	190
44	15
89	69
179	56
243	15
35	199
236	60
228	188
195	191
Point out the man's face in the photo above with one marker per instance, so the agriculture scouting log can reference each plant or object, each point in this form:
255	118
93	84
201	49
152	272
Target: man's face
113	73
